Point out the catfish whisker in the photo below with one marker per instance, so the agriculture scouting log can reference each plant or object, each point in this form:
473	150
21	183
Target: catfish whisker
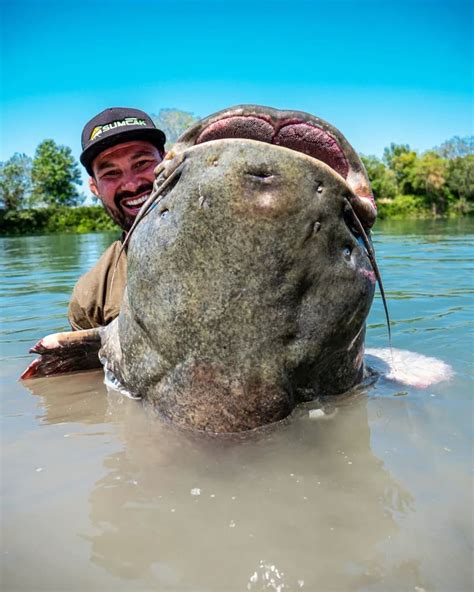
373	262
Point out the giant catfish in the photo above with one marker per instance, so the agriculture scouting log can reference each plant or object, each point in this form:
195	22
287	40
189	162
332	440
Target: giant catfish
250	276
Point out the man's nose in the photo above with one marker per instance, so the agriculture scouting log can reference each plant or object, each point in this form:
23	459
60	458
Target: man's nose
130	181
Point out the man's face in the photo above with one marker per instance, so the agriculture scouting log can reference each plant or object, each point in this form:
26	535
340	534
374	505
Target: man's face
123	178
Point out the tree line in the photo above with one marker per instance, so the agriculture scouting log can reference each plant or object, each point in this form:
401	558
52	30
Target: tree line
437	182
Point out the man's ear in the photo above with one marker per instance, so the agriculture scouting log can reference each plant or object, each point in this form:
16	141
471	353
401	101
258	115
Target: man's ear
93	186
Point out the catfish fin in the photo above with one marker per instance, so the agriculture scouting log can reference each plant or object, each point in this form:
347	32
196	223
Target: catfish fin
65	352
408	368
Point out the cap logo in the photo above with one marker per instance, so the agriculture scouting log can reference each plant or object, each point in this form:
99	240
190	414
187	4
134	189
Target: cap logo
100	129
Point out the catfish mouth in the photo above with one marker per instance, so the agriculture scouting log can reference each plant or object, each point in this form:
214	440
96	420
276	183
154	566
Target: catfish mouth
292	132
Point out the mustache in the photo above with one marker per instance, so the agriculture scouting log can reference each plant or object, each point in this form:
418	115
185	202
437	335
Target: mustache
145	187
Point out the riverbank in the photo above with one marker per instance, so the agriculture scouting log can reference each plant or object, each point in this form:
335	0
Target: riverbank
55	219
406	207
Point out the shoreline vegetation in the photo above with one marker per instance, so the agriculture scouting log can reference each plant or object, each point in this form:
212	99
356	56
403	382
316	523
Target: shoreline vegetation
55	219
39	195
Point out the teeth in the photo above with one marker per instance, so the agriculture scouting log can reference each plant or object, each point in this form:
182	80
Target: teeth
138	201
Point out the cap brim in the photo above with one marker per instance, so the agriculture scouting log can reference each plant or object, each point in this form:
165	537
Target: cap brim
154	136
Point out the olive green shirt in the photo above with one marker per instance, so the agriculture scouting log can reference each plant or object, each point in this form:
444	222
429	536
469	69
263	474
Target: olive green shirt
95	301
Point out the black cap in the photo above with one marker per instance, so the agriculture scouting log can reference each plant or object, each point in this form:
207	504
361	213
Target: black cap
114	126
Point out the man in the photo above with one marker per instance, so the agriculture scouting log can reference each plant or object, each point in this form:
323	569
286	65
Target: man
121	148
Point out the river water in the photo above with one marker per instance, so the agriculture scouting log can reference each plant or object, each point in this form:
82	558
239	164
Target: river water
377	496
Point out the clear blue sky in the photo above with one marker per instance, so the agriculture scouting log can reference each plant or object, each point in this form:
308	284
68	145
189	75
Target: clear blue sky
380	71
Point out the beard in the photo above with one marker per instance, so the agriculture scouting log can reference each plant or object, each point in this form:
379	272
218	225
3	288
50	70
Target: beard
118	214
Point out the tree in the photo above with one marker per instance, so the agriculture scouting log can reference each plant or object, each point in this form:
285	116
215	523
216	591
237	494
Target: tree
401	160
460	177
54	175
456	147
173	122
428	177
393	152
15	182
382	179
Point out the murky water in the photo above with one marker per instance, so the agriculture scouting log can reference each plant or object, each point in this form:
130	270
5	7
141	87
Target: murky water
97	495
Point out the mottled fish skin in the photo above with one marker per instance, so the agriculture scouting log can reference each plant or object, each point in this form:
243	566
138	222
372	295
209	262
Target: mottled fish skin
248	289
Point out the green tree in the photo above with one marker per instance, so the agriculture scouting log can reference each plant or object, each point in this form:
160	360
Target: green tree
15	182
456	147
54	175
428	177
460	180
401	160
173	122
382	179
394	151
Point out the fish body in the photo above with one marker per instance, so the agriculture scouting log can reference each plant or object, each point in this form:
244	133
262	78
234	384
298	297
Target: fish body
248	284
247	291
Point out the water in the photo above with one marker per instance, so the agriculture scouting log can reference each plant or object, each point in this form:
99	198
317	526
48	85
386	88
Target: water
96	495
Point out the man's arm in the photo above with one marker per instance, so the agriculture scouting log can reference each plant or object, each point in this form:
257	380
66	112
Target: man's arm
95	301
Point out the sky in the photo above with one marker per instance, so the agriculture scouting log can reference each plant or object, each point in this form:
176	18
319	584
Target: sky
379	71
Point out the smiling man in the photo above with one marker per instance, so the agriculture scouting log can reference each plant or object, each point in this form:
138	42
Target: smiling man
121	148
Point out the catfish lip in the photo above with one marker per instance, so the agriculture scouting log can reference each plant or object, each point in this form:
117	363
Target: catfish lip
294	133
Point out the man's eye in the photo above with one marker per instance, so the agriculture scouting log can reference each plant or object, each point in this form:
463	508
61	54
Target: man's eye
143	164
109	174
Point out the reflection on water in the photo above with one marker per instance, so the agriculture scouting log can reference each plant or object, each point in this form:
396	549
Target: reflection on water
37	274
251	501
175	510
98	494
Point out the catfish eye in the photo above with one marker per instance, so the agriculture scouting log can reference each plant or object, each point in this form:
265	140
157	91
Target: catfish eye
347	252
164	213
